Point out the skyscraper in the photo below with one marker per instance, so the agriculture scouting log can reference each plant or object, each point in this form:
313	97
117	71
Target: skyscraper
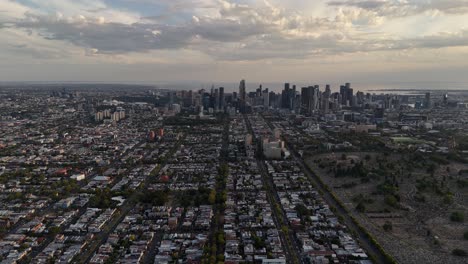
314	99
427	101
285	95
266	98
347	94
242	97
222	99
292	98
242	92
343	94
305	94
310	99
325	103
216	99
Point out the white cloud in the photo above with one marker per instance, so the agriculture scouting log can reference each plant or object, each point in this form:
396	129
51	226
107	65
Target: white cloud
215	31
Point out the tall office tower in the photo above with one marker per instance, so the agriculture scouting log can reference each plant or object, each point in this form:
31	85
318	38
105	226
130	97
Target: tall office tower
206	100
336	101
325	103
242	97
344	94
216	99
273	98
328	90
315	100
266	98
259	91
350	95
285	94
297	103
305	95
360	98
242	92
222	99
292	98
310	99
427	101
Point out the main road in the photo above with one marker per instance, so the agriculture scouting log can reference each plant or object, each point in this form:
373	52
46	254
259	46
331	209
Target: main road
371	248
287	238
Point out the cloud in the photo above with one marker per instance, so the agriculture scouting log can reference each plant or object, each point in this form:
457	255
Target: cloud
372	5
231	31
397	8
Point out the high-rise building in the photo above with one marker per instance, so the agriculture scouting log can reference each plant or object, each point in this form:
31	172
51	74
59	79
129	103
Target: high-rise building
310	99
266	98
325	103
292	98
347	95
259	91
242	92
242	97
216	99
305	95
315	98
222	99
328	90
427	101
285	95
343	94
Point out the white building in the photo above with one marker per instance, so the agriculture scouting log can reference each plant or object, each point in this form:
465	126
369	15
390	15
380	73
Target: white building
273	149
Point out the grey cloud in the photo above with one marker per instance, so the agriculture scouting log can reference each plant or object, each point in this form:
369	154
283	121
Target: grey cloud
394	8
329	44
109	37
361	4
228	30
241	33
122	38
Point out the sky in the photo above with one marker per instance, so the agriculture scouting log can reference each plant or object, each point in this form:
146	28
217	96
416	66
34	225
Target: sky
306	41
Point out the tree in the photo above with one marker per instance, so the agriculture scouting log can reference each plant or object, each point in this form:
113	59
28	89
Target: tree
459	252
457	217
343	156
54	230
391	200
432	168
465	235
361	207
388	226
220	239
448	199
212	196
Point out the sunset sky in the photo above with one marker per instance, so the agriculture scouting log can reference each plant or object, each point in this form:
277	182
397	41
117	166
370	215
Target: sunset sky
223	41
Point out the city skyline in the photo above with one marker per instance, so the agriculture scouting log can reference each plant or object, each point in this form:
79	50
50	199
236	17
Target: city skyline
233	131
168	41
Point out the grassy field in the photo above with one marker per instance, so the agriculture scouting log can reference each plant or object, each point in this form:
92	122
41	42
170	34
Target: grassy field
405	200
